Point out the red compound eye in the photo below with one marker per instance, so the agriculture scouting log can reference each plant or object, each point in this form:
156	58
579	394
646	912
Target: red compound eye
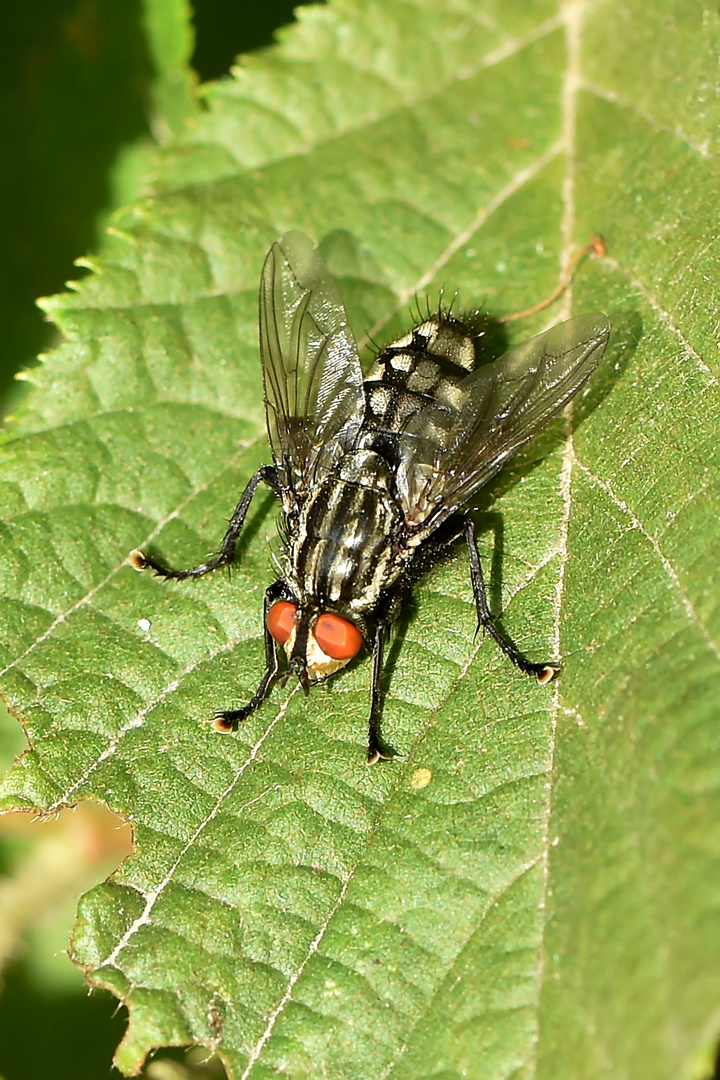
337	637
281	621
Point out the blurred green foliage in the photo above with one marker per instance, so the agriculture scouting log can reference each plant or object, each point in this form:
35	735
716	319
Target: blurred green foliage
75	92
75	79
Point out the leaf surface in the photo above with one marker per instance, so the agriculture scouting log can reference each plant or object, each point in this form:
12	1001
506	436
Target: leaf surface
531	888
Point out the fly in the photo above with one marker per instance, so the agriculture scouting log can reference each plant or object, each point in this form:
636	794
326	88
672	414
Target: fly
369	470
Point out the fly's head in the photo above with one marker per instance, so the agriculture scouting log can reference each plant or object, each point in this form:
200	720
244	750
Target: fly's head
317	643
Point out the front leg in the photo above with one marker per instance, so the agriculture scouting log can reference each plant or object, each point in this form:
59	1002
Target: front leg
140	561
376	747
228	721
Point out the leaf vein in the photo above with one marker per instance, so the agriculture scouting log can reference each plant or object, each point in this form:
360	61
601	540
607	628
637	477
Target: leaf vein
65	615
409	101
685	601
493	900
516	182
611	96
663	314
152	897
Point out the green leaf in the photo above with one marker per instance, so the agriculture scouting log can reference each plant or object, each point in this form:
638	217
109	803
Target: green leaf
531	887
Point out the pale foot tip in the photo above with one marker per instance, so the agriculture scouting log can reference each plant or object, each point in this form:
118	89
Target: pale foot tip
547	673
222	724
137	560
379	752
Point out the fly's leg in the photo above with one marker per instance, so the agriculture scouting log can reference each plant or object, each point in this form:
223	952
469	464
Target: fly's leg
542	672
376	747
228	721
140	561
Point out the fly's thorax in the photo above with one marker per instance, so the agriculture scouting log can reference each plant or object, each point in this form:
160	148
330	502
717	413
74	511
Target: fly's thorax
343	550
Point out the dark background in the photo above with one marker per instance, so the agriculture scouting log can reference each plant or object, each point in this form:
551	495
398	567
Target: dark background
75	80
74	89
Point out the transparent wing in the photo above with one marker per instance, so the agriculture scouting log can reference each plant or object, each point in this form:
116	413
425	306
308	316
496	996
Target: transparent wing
499	408
311	369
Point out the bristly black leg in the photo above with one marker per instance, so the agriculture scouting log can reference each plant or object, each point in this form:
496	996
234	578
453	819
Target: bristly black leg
228	721
376	747
542	672
268	475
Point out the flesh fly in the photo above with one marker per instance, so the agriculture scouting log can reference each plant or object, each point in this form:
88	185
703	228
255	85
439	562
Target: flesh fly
371	472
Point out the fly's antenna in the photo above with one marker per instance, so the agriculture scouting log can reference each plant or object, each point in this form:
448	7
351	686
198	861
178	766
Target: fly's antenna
595	246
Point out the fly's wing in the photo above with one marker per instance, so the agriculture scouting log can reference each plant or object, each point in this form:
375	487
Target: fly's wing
499	408
311	369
